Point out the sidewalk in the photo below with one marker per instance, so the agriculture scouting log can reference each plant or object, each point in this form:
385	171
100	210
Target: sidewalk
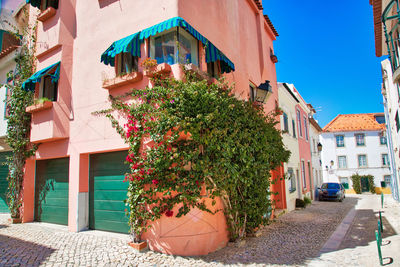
353	243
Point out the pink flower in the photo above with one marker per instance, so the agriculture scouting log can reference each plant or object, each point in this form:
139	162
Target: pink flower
155	181
169	213
172	101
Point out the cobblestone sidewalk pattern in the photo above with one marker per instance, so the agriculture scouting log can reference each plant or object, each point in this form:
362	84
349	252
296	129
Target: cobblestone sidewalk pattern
292	239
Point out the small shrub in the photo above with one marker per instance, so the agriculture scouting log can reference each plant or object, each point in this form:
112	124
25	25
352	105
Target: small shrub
300	203
356	179
307	200
371	183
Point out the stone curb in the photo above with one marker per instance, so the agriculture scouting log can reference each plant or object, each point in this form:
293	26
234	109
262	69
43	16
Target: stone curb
337	237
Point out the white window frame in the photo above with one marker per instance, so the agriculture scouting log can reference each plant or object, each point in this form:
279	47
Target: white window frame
303	173
363	139
298	116
305	127
336	141
366	161
385	157
345	162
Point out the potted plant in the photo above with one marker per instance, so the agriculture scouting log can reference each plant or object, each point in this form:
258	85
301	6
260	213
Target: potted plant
136	242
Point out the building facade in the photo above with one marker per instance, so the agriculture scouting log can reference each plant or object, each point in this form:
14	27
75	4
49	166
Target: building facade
386	28
11	15
297	137
316	147
303	113
356	144
287	103
84	56
392	109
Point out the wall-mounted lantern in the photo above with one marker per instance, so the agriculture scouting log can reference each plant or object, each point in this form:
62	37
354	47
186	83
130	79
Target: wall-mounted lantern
319	147
262	92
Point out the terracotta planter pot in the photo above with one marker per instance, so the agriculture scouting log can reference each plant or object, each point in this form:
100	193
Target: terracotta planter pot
39	107
162	68
141	246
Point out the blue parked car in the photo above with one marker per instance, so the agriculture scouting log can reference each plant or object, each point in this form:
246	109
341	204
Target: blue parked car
333	191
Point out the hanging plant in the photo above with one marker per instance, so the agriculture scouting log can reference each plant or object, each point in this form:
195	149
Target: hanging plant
187	136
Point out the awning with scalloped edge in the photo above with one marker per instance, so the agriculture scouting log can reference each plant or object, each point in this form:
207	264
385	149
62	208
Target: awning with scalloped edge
30	83
132	44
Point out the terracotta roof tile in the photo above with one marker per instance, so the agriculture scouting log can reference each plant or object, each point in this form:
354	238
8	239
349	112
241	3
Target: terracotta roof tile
377	11
258	4
271	25
355	122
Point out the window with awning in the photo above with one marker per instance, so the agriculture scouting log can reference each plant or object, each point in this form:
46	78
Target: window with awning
132	44
52	71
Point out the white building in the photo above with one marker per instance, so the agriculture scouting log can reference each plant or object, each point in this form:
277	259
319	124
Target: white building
391	96
287	102
316	146
356	143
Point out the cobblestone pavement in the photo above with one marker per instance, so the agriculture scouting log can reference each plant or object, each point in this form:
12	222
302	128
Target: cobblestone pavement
358	247
292	239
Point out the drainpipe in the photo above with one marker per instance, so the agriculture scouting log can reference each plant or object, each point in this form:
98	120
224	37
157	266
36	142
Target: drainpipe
394	183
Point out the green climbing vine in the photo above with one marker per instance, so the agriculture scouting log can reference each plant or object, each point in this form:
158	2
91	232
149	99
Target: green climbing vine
18	121
188	136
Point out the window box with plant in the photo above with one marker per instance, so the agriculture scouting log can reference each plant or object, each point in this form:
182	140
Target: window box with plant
126	71
152	68
47	85
39	105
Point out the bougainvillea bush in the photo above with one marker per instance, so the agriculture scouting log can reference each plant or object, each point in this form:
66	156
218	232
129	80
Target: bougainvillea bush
187	136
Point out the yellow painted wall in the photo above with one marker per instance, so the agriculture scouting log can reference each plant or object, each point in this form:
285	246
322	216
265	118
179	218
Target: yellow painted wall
385	190
350	191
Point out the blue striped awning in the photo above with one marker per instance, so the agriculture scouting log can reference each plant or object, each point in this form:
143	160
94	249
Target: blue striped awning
34	3
129	44
132	43
29	84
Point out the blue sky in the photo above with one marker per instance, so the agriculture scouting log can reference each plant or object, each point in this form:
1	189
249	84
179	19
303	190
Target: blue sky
327	50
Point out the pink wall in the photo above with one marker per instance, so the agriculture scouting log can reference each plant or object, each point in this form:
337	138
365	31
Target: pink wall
304	149
82	30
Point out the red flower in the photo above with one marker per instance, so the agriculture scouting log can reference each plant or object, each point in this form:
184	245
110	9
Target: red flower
155	181
169	149
169	213
129	159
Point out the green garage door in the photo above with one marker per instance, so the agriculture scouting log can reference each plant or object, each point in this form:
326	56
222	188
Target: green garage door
3	181
107	191
51	191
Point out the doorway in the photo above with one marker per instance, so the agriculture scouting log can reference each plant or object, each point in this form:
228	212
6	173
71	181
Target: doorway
364	184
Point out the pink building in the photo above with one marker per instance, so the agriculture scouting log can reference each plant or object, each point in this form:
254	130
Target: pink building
83	55
303	128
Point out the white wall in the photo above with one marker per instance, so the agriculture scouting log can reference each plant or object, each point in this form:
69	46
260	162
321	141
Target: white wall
315	156
373	149
391	105
288	105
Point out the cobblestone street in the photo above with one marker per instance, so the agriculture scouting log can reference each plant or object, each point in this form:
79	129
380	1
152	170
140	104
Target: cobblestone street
293	239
